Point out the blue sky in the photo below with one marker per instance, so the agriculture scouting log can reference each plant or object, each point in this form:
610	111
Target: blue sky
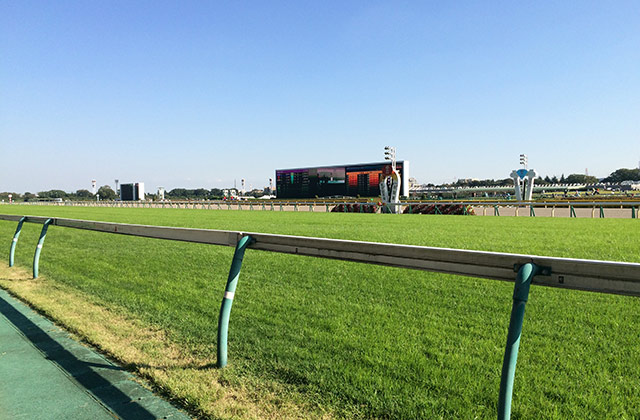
199	94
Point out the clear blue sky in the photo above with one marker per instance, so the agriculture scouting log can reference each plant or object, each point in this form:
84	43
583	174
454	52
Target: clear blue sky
197	94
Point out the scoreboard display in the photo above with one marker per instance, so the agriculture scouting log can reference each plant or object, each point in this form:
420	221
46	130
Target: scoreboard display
342	180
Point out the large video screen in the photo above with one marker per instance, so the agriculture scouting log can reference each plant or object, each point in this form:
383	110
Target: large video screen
328	181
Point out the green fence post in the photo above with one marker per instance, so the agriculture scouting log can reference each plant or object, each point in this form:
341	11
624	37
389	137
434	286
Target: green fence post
14	242
601	212
520	297
532	212
633	212
310	207
326	206
281	207
438	211
250	206
227	300
572	211
36	256
496	212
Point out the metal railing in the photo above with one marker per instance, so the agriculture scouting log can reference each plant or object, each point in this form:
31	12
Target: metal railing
591	275
628	208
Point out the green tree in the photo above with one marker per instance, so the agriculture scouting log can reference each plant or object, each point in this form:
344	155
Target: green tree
84	194
623	174
581	179
106	193
52	194
177	193
200	193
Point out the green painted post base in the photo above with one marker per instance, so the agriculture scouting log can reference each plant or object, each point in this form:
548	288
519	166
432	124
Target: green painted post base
227	300
36	256
14	241
520	297
572	212
496	212
601	212
532	212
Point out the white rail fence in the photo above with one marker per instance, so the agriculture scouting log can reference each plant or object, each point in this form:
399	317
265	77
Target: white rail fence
568	273
580	209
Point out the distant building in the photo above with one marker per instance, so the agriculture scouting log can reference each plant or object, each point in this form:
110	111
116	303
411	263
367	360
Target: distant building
132	192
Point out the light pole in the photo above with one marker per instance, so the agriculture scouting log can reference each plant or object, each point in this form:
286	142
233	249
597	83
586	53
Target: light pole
390	154
524	161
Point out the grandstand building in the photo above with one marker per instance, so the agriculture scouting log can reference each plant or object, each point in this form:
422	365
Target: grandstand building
340	180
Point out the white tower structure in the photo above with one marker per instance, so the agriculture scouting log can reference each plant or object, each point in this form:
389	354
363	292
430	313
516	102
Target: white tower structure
391	176
531	177
523	180
242	186
93	186
160	193
517	176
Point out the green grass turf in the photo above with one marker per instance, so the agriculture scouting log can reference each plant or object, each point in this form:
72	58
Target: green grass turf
367	341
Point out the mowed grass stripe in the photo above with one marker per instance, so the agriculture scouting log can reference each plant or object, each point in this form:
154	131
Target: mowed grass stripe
365	341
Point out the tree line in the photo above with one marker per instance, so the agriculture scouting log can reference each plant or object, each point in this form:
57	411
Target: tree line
617	176
107	193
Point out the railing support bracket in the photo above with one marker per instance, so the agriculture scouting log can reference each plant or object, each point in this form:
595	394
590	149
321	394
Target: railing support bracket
227	300
526	273
36	256
14	241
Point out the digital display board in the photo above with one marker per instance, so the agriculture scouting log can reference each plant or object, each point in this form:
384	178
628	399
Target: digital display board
341	180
